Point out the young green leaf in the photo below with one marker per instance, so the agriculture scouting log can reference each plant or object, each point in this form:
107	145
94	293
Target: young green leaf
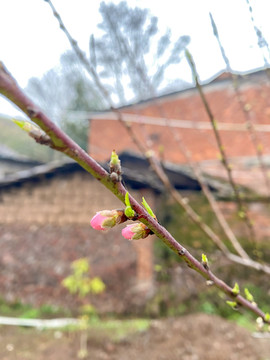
114	159
232	304
25	125
129	212
204	259
267	317
34	131
236	289
249	296
148	209
127	202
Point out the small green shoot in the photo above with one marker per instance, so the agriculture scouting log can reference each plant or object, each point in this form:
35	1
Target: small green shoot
25	125
249	296
232	304
148	208
204	260
241	214
114	158
158	268
79	281
236	289
129	212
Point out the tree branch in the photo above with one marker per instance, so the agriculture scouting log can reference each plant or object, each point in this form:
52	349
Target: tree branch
61	142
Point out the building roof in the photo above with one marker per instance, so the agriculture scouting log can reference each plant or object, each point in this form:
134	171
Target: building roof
8	154
222	78
136	174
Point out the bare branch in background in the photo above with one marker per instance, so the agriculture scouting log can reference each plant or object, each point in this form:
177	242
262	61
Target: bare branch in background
131	46
262	43
81	55
242	212
244	107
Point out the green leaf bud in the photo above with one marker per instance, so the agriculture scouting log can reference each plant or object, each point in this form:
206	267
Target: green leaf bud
148	208
249	296
129	212
236	289
232	304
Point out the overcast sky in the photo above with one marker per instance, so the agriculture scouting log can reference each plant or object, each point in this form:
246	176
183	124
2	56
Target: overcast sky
31	42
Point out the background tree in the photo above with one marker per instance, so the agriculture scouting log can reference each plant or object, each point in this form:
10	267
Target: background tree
64	90
132	47
130	54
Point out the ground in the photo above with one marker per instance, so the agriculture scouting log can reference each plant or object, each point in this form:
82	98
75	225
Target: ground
190	337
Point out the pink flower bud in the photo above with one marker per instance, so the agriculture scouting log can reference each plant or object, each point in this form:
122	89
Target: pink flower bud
135	231
107	219
96	221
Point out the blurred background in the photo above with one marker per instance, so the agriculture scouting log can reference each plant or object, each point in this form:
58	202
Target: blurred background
207	122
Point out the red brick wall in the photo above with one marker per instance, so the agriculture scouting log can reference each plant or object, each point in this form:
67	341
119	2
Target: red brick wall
187	105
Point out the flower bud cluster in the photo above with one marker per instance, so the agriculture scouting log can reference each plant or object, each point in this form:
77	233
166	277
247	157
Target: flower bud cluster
106	219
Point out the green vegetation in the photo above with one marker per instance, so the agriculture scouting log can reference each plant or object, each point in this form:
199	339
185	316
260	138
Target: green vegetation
169	300
26	311
117	330
79	281
181	227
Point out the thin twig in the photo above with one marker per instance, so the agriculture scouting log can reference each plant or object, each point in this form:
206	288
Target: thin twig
241	207
261	39
214	206
81	55
245	110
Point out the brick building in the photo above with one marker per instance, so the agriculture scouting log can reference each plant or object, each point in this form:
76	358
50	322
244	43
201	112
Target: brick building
162	121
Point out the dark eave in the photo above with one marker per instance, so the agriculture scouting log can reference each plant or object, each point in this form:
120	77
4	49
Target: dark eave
137	174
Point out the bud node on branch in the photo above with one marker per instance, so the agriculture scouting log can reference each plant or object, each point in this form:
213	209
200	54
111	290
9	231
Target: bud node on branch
206	266
182	252
115	168
41	139
32	113
114	177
